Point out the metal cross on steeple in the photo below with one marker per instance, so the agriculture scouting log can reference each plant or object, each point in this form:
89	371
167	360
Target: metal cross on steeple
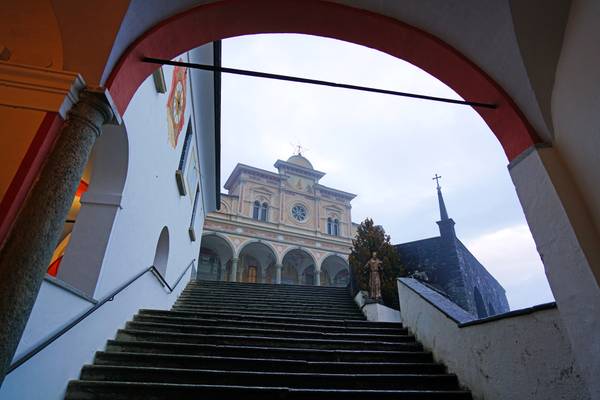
437	178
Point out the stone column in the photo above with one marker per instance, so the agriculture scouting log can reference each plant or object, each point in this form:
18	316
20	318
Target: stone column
234	265
25	256
278	268
317	277
222	271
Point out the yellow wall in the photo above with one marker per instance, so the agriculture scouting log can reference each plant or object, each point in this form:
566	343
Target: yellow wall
17	129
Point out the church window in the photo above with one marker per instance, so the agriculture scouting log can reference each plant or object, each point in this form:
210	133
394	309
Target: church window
333	226
256	210
263	211
260	211
299	212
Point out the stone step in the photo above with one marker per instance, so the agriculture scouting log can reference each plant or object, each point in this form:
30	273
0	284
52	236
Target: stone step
269	352
294	380
273	319
233	340
95	390
372	330
266	300
267	286
225	294
258	313
242	331
280	308
274	293
262	364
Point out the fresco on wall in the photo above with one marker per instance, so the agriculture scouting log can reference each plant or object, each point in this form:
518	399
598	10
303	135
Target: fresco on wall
176	104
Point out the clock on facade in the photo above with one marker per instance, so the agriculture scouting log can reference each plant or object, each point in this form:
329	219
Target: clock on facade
299	212
176	104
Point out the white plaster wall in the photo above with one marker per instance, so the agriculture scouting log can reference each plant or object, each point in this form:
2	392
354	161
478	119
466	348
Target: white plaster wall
565	238
151	199
376	312
576	101
54	306
45	377
525	357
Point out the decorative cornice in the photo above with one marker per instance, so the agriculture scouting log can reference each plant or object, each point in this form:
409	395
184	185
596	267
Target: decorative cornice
41	89
335	192
248	223
239	168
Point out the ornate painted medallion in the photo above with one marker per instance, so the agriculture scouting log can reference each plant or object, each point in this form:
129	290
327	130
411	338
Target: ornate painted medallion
176	104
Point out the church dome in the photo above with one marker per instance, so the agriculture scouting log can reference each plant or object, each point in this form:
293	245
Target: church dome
298	159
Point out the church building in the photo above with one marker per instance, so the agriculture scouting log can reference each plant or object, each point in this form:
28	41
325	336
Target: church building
278	227
444	263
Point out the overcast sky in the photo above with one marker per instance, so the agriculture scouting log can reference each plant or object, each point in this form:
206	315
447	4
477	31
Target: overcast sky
385	149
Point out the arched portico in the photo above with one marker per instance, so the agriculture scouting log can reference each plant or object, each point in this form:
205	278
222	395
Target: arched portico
299	267
256	262
335	271
216	254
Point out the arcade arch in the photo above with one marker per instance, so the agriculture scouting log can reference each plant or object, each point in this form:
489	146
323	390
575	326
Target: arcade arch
299	268
216	254
255	263
335	271
100	204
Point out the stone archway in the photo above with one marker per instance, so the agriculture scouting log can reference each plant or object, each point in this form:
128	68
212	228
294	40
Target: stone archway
99	208
216	254
334	271
255	263
303	265
207	23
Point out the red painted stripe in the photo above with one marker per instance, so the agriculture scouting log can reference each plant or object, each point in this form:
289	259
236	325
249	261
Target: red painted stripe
28	171
229	18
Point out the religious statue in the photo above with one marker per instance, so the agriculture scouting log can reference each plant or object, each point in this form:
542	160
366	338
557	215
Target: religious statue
373	266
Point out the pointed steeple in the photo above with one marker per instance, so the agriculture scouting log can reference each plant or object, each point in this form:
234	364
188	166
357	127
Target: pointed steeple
445	223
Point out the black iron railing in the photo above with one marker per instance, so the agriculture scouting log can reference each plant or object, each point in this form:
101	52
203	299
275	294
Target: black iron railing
67	327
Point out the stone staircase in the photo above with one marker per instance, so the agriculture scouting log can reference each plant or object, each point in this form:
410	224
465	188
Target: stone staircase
226	340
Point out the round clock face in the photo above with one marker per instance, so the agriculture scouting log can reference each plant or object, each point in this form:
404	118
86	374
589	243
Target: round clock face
299	212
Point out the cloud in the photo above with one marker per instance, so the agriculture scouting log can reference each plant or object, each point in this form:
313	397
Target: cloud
510	255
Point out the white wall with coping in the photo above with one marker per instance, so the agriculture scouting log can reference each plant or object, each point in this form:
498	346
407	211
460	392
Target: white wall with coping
567	241
46	375
521	355
376	312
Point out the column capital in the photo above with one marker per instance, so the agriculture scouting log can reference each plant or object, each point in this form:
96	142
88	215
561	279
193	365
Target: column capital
92	110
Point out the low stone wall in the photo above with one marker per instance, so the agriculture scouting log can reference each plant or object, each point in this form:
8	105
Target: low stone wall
522	354
376	312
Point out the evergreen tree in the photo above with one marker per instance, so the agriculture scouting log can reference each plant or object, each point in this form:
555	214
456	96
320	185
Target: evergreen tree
370	237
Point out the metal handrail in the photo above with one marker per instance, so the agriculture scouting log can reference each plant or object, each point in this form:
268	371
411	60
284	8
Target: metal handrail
23	359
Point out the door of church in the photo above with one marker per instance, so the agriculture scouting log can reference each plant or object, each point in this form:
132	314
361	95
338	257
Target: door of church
252	272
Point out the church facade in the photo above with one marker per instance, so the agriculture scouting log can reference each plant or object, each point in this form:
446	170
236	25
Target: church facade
278	227
445	264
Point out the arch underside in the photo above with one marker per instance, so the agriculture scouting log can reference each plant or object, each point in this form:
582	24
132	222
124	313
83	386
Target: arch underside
207	23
